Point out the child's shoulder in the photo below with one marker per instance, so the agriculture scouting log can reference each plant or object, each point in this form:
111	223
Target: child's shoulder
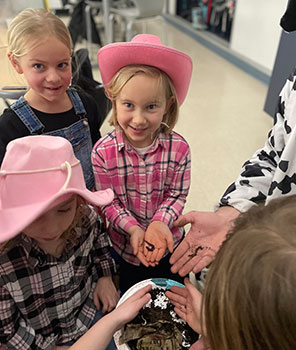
107	141
10	252
175	139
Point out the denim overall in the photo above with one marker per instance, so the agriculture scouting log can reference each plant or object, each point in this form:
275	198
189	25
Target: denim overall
78	133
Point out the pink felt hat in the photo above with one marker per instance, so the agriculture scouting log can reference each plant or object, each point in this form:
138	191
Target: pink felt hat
148	50
37	173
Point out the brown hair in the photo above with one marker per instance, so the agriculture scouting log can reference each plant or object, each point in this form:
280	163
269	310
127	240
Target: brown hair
126	73
33	25
249	298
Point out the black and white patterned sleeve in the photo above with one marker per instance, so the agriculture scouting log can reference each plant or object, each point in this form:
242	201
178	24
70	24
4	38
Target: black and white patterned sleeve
271	169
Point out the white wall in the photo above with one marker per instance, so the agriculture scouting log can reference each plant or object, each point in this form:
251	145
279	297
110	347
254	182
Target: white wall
256	31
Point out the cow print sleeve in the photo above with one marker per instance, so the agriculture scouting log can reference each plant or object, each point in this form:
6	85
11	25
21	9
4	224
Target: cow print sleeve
271	171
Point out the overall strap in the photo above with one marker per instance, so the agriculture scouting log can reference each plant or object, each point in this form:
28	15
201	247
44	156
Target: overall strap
22	109
76	102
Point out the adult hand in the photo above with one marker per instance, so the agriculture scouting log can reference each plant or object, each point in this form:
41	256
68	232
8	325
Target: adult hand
158	237
200	245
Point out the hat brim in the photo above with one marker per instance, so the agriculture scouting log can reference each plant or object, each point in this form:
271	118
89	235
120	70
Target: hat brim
14	220
176	64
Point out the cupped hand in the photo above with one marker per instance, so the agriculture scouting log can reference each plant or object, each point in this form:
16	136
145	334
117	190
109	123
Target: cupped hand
158	237
137	242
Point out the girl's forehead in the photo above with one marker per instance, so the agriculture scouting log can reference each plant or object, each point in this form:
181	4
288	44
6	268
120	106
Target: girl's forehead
43	43
143	87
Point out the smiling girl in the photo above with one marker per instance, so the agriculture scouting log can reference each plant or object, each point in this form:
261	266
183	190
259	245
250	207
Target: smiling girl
40	48
143	160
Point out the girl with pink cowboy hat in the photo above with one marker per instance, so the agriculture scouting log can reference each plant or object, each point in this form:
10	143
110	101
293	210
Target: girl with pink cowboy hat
143	160
55	262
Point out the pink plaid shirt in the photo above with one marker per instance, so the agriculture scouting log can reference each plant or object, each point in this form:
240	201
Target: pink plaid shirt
148	187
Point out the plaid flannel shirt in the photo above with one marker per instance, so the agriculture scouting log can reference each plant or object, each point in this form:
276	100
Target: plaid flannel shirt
149	187
44	299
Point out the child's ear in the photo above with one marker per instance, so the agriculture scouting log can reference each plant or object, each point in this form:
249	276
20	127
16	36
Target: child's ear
15	63
169	102
107	93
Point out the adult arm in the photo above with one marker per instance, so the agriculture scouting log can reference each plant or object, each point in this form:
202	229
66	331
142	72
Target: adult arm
260	177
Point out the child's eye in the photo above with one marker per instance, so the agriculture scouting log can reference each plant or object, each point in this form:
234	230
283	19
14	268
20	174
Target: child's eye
128	105
38	66
152	106
64	210
63	65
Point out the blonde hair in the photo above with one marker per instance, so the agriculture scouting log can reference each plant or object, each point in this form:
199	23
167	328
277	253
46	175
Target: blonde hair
249	298
126	73
33	25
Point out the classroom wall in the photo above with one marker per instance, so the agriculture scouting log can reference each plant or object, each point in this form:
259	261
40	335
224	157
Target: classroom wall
256	31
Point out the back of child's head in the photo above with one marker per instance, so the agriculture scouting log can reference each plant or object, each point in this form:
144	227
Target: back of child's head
32	26
128	72
249	299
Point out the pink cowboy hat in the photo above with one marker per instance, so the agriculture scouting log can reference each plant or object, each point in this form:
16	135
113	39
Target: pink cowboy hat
148	50
37	173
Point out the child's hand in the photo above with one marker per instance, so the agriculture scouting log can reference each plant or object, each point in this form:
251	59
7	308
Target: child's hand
137	243
187	303
158	237
131	306
105	292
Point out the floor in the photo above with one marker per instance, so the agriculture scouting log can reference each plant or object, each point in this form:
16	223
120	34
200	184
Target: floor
222	118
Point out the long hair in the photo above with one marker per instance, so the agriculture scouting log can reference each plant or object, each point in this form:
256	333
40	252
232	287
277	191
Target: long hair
126	73
32	26
249	298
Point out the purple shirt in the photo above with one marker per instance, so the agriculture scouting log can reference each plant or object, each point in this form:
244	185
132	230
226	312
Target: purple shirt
149	187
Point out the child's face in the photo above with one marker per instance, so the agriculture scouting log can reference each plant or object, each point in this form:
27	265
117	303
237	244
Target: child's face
140	107
50	226
47	68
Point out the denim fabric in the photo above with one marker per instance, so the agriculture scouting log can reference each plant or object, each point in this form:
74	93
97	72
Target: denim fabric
78	133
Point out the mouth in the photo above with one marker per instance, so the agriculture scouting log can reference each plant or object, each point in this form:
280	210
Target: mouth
137	130
54	89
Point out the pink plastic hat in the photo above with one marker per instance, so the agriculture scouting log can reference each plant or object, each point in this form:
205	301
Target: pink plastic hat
36	173
148	50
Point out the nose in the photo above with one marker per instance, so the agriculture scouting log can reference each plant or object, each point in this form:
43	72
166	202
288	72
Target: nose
139	117
52	75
